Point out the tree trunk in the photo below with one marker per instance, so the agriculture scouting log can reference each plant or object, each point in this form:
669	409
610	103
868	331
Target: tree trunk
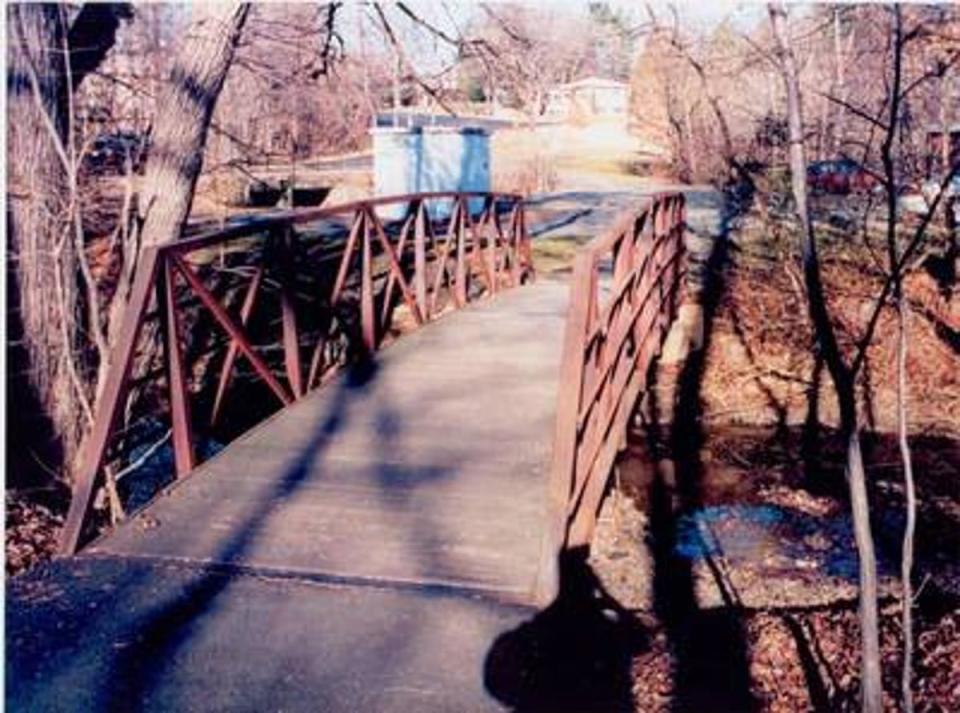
910	490
41	249
185	108
843	379
46	349
837	133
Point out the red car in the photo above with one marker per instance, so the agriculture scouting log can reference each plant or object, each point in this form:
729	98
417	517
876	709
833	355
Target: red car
842	177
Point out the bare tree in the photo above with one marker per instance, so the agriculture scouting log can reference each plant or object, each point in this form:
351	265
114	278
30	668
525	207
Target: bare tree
842	375
910	490
889	124
48	57
893	165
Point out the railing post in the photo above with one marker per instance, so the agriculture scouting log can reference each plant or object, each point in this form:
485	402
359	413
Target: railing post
460	289
420	258
661	218
644	286
489	233
368	317
514	247
477	230
527	247
677	256
286	247
180	418
681	228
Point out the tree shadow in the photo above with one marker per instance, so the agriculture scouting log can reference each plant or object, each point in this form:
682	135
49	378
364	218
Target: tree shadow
776	406
709	649
574	656
814	663
811	453
162	632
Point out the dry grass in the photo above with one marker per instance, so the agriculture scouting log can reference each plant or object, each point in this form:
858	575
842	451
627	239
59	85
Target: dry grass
554	255
566	157
760	366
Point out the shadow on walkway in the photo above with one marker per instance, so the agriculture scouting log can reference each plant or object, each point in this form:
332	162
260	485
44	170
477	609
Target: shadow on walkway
574	656
163	632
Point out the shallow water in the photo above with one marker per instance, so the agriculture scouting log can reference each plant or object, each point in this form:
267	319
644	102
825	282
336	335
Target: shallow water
741	499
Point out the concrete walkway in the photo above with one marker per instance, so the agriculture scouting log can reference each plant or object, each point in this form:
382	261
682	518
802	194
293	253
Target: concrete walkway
123	634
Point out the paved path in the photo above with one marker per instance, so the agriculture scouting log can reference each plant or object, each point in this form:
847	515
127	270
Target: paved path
120	634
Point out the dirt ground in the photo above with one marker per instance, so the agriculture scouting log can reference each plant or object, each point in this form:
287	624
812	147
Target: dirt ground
32	529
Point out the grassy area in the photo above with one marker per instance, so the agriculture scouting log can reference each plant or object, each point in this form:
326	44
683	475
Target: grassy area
554	255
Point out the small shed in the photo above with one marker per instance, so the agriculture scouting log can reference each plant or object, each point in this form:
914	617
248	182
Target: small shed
429	159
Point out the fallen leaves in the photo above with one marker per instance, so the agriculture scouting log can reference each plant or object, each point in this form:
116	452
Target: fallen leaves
32	532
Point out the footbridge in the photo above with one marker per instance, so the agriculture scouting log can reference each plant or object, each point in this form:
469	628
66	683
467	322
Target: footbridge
381	402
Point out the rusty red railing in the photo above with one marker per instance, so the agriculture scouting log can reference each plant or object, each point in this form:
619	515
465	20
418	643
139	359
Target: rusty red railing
625	291
332	283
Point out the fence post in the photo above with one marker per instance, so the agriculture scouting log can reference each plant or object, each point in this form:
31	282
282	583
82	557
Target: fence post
176	377
420	258
286	244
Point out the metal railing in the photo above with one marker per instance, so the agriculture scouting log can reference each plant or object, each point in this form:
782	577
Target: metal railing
334	283
624	296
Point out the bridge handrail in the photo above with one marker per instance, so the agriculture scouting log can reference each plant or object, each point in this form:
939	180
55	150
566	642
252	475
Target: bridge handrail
299	216
423	262
614	331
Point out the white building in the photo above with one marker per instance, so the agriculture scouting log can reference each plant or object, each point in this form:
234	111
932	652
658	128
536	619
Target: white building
590	97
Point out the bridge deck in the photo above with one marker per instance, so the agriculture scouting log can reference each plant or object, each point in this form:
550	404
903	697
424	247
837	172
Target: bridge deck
427	467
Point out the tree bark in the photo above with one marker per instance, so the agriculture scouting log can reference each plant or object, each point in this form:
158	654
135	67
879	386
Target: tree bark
41	251
906	561
186	106
47	358
843	378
